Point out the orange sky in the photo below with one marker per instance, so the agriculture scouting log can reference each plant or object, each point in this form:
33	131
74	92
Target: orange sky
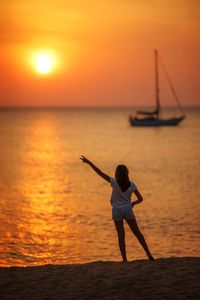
104	51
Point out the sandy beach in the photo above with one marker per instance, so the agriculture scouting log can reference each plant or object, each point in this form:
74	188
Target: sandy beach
166	278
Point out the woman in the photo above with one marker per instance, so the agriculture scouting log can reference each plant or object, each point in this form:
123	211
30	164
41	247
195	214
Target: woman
122	189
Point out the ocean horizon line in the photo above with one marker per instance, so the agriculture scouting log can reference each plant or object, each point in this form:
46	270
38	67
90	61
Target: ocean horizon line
89	107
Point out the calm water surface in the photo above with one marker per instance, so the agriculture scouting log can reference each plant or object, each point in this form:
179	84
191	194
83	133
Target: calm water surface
55	210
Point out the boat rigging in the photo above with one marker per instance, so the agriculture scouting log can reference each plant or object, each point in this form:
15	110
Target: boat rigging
152	118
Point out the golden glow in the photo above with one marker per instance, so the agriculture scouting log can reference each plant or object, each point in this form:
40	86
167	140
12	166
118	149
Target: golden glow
44	62
99	50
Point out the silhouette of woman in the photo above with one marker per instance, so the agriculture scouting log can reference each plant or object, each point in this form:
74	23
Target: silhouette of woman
122	189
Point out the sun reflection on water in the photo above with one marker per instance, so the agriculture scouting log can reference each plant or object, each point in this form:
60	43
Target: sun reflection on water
35	213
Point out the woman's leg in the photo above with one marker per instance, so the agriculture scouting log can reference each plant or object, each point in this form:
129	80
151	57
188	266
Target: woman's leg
135	229
121	238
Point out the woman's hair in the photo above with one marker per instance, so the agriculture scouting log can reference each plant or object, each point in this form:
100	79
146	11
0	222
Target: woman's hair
121	175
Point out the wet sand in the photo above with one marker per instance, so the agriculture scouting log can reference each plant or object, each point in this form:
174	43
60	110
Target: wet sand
167	278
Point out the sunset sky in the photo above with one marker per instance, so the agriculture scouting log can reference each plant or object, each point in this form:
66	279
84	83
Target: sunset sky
97	53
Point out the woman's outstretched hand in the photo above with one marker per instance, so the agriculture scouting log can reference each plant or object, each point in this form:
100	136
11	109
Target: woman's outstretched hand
84	159
97	170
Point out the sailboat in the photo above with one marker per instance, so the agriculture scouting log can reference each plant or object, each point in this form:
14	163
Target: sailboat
153	118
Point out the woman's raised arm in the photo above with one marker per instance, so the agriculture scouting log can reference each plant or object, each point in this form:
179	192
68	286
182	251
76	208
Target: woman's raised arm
97	170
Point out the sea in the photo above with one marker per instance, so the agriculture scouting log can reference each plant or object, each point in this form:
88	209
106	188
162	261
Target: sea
55	210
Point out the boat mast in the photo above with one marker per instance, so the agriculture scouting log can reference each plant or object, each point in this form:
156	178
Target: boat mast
157	83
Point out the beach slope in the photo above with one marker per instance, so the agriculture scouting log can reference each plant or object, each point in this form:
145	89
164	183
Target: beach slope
167	278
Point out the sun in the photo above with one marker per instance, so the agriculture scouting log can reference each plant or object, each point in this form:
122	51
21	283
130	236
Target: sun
44	62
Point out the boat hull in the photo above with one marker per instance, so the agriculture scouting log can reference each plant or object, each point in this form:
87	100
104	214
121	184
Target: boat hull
155	122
